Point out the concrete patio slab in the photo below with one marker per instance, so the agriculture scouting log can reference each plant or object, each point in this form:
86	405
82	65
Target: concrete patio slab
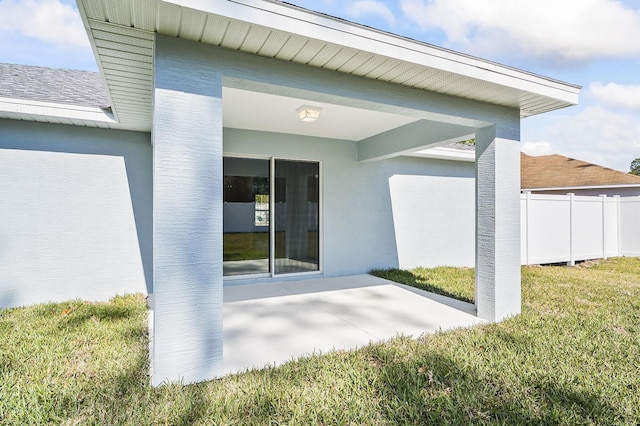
271	323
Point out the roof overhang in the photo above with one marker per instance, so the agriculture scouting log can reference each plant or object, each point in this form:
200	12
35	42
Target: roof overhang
49	112
122	36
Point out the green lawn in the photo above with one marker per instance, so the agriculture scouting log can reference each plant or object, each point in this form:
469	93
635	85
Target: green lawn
572	357
255	245
445	280
245	246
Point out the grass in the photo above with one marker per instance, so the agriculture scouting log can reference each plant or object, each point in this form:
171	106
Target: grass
572	357
255	245
457	283
245	246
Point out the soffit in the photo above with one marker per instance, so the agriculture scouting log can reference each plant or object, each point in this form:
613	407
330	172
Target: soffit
122	34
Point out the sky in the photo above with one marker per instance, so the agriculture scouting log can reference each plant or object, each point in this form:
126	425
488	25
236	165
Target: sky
592	43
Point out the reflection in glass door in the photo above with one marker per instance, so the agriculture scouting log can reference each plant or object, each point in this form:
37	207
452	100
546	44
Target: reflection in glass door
246	239
264	236
296	216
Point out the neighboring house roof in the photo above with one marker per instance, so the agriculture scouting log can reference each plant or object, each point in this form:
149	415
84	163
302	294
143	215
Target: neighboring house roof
61	86
557	171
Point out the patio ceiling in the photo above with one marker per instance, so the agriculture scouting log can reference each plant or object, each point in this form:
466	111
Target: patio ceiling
244	109
122	34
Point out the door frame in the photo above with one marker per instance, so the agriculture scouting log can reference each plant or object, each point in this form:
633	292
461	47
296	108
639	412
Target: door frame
272	230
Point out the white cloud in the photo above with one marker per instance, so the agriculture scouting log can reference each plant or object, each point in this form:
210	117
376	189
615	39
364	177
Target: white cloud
537	148
595	134
564	31
617	95
371	7
49	21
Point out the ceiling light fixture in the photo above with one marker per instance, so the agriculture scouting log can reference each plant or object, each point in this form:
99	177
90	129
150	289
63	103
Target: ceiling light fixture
308	113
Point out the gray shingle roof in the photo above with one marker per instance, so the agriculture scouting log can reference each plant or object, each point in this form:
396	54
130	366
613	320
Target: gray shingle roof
462	146
62	86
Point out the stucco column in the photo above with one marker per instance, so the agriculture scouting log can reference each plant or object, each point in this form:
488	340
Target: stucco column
498	293
187	218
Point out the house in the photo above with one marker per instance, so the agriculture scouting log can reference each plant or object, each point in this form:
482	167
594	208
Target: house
253	140
557	174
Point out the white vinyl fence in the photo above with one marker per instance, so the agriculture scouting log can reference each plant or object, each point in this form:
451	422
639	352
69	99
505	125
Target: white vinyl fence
570	228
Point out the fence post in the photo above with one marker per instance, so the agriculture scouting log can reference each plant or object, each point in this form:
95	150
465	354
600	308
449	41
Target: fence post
572	260
527	207
603	197
617	198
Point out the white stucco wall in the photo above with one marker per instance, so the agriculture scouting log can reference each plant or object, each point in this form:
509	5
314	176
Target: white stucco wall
401	212
434	215
75	209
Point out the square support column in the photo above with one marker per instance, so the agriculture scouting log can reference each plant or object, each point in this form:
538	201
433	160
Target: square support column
498	281
186	344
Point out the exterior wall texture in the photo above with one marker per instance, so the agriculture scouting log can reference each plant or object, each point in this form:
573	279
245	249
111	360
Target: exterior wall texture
498	281
75	204
186	340
77	207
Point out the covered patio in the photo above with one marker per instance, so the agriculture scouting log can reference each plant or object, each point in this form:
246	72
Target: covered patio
272	323
219	80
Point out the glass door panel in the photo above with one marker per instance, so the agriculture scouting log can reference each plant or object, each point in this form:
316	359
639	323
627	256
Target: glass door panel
296	192
246	222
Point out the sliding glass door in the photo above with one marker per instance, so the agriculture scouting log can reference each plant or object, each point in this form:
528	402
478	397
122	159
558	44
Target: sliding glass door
271	216
296	216
246	225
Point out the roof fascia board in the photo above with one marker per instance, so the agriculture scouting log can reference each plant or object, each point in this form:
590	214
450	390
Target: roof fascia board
565	188
291	19
48	109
